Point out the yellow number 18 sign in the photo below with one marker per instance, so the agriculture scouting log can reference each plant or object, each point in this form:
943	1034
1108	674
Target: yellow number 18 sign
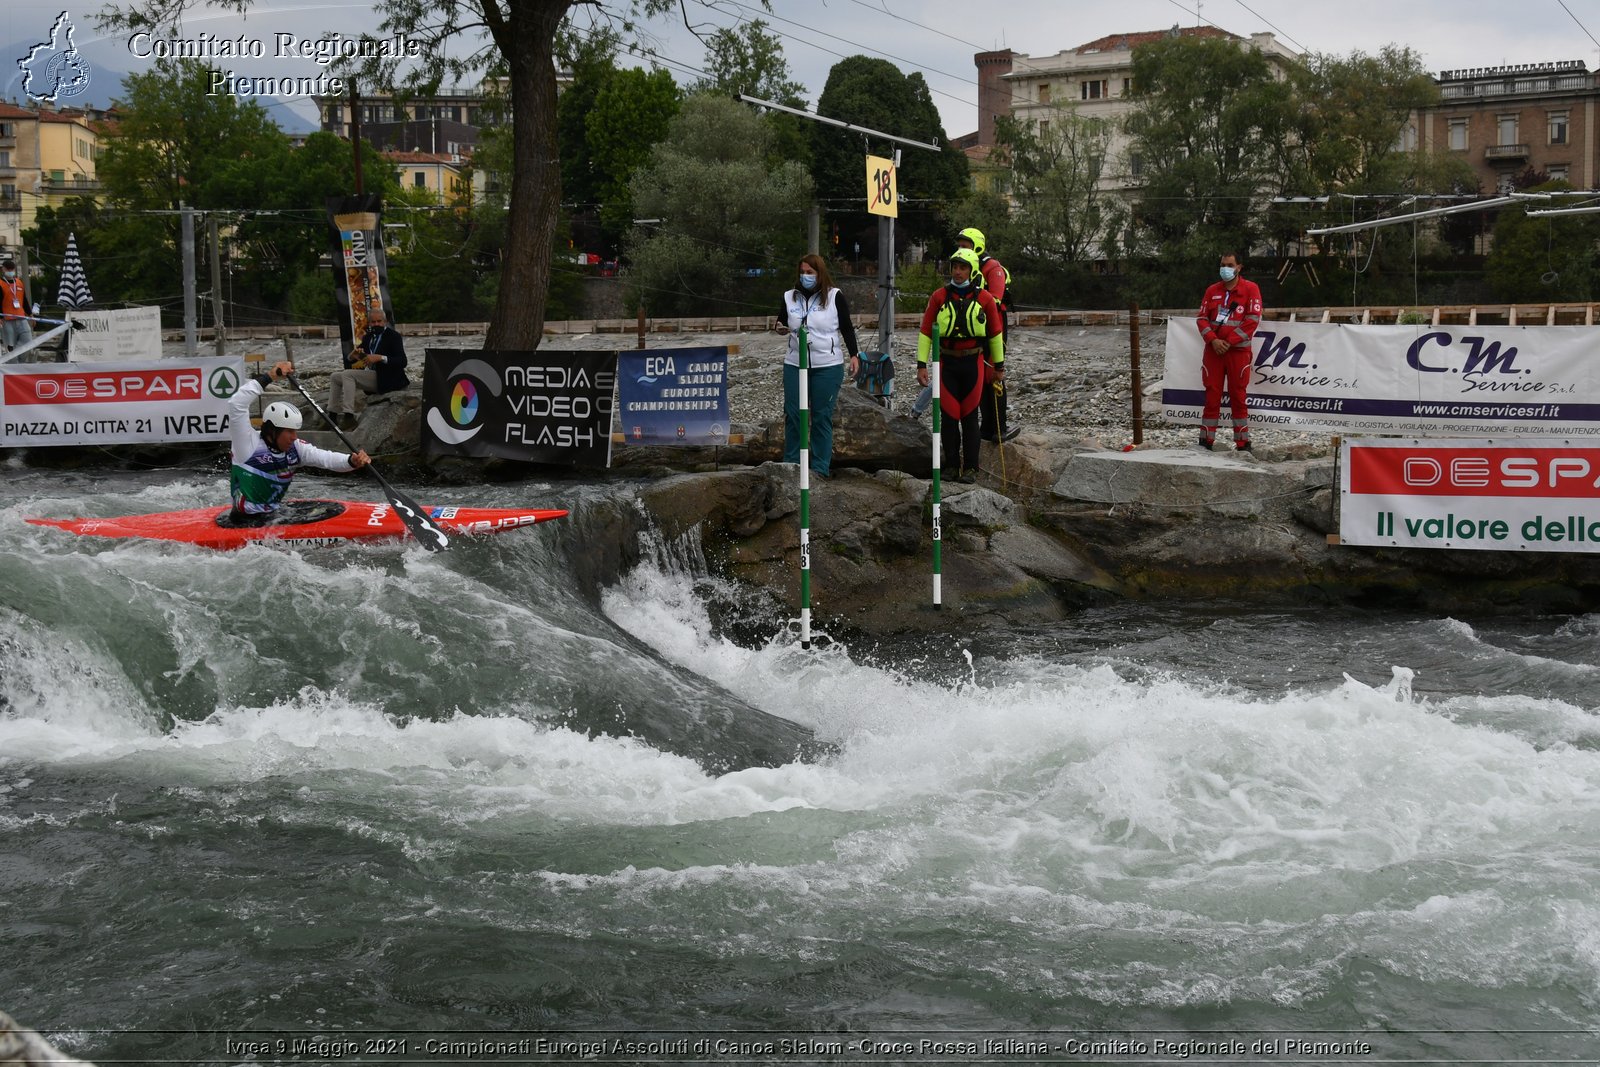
881	196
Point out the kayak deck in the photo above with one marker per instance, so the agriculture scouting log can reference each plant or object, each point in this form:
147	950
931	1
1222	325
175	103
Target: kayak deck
303	523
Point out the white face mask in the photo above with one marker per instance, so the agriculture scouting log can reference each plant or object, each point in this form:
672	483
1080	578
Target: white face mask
1228	273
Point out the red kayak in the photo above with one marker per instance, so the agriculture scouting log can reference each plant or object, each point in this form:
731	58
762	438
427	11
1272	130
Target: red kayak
303	522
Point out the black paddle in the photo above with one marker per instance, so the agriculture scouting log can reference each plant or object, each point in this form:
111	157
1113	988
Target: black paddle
422	528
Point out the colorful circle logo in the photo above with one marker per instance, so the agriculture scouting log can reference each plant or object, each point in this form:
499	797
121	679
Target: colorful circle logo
464	402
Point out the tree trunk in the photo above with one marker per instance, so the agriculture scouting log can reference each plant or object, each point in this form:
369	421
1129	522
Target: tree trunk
527	41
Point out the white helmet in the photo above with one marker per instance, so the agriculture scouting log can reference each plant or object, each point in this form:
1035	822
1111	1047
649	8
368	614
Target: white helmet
281	416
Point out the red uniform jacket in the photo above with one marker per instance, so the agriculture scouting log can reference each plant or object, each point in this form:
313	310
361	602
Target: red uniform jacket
1231	314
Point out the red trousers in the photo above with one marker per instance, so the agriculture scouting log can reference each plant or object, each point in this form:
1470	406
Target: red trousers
1231	369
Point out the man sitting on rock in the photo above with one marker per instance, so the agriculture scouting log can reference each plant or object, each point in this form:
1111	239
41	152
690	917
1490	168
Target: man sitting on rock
376	365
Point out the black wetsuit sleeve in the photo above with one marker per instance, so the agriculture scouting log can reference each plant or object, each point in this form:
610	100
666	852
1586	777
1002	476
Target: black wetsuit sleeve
847	329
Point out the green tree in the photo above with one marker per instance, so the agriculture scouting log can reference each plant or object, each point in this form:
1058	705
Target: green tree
873	93
724	211
177	143
1209	125
1546	259
631	114
519	42
749	60
592	60
1061	216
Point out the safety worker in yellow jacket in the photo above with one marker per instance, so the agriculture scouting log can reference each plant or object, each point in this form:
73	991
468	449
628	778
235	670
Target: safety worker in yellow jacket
993	276
971	331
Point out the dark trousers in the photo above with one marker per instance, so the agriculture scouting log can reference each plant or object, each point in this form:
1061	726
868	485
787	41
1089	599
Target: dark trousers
992	410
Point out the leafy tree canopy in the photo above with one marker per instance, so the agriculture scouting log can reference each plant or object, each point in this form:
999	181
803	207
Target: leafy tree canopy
723	211
875	94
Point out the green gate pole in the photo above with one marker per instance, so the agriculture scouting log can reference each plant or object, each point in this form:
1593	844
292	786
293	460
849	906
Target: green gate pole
805	491
938	426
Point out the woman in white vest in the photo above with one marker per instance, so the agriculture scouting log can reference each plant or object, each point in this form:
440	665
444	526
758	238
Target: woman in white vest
820	307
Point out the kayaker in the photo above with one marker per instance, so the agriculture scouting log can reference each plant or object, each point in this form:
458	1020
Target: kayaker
264	463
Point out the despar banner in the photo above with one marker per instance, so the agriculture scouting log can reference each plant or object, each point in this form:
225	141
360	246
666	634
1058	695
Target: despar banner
676	396
544	407
1429	381
1531	495
360	271
148	402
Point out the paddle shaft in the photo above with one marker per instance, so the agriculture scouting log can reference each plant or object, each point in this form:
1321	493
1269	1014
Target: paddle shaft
416	520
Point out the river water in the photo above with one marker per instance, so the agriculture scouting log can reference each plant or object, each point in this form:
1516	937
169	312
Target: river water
276	796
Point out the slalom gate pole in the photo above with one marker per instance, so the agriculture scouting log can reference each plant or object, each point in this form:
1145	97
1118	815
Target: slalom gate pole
995	389
805	491
938	429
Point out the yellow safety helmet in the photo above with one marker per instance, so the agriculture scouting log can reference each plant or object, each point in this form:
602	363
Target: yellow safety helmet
975	235
969	257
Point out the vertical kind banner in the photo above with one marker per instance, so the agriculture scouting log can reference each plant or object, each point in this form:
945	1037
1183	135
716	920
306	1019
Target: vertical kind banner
360	272
548	406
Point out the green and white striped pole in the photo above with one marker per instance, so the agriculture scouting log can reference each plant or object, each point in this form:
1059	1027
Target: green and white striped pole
805	492
938	427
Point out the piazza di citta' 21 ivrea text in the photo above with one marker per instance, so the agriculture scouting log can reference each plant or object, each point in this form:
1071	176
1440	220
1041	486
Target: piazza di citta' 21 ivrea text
284	46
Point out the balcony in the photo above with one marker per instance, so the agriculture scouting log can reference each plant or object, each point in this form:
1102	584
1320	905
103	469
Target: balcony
1505	151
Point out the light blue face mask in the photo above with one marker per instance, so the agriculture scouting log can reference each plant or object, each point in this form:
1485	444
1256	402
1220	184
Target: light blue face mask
1228	273
961	287
808	281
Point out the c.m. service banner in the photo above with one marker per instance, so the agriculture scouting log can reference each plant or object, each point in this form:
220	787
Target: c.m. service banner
160	401
1538	496
1432	381
547	406
675	396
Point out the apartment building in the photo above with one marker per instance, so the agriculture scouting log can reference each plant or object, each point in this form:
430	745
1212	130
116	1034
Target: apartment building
46	156
444	175
1503	120
1093	80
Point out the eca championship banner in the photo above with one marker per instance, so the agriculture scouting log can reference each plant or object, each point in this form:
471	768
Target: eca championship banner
168	401
548	406
676	396
1533	496
1431	381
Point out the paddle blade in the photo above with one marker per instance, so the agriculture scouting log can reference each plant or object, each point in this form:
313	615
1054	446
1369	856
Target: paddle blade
417	521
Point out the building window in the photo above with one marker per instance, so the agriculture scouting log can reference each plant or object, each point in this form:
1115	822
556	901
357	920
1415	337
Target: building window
1558	127
1506	127
1044	127
1458	134
1044	93
1557	174
1093	90
1408	139
5	159
8	129
1127	86
8	192
420	180
1135	165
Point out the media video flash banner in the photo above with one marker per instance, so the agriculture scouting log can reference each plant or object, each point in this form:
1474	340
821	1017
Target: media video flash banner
546	406
167	401
1535	495
1427	381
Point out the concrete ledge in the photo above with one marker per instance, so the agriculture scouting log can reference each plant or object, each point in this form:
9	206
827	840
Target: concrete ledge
1175	477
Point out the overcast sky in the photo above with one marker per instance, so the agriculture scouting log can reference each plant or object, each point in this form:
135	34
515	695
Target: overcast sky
938	37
